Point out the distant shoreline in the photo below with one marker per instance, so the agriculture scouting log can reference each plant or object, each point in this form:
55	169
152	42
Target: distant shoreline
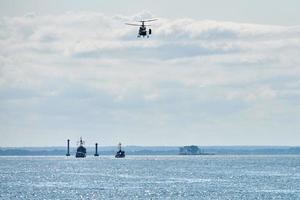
143	150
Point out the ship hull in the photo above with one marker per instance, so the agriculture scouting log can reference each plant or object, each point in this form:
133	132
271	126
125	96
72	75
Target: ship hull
80	155
120	154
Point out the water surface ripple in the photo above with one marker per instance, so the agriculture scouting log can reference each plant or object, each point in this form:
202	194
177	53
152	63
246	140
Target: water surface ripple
151	177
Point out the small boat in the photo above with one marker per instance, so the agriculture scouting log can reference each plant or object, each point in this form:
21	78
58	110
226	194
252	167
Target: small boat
120	153
81	150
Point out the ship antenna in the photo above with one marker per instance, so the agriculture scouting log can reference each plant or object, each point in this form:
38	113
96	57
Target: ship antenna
81	142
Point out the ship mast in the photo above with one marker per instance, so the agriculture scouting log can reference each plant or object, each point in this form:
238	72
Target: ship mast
119	146
81	142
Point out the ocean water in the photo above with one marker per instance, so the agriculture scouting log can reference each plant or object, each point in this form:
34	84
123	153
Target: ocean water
151	177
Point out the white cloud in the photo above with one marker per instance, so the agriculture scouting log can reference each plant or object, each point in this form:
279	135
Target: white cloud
189	71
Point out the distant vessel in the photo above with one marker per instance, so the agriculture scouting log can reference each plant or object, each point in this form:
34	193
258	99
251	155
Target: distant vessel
120	153
81	150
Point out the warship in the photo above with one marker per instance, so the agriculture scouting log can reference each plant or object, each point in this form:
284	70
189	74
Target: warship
81	150
120	153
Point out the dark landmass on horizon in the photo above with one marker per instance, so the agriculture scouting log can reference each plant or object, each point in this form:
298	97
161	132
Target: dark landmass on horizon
158	150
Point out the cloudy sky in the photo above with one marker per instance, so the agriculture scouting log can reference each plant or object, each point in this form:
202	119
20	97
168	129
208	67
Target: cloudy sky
212	73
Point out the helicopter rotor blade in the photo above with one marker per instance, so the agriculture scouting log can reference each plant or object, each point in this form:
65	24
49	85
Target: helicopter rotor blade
149	20
137	24
132	24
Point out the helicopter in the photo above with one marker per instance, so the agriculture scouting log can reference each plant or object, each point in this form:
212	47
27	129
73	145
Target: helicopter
143	28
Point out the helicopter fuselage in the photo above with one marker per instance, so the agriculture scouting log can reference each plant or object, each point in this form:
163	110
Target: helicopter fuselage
143	31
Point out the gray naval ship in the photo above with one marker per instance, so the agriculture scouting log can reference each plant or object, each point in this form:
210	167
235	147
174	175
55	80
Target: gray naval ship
81	150
120	153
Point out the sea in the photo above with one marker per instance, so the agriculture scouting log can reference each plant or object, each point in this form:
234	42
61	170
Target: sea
151	177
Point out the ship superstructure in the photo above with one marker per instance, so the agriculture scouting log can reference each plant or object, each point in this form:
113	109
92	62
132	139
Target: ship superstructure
81	150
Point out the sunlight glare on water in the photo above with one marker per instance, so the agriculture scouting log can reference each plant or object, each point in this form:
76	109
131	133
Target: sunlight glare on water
151	177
